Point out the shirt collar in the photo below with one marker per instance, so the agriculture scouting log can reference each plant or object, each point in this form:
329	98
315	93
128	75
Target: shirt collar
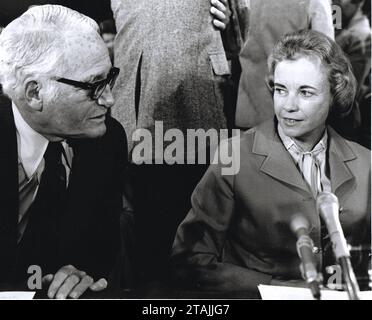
31	144
289	143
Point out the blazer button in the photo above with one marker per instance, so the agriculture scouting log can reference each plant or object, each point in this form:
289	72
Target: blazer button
316	250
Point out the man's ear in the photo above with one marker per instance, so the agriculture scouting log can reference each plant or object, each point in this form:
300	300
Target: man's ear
32	95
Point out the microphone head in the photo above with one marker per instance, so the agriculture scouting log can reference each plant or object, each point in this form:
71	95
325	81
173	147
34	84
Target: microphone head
299	222
326	204
328	208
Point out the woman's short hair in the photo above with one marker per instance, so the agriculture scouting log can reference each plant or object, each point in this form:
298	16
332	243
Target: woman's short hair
312	43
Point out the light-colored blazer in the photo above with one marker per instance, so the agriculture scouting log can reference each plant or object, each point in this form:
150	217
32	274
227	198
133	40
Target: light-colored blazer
243	219
173	63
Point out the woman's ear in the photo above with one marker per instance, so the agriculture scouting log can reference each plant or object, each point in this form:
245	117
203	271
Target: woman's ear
32	95
269	81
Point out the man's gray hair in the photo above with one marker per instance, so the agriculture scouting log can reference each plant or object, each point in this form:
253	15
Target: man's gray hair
34	42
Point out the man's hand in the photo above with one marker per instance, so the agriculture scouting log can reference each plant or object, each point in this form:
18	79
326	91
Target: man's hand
221	13
71	282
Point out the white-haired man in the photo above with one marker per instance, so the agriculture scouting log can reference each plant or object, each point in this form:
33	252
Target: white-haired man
60	192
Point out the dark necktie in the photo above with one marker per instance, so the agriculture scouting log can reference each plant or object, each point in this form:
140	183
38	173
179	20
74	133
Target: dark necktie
53	179
41	235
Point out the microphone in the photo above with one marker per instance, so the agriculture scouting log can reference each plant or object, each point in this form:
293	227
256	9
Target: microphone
328	208
300	227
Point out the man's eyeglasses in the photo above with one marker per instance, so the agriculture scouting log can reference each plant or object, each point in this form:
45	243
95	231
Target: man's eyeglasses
96	88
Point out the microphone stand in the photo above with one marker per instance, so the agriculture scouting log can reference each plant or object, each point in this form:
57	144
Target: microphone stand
328	208
352	286
309	273
315	289
312	278
305	245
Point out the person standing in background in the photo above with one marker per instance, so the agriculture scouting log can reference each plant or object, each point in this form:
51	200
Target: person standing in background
108	32
174	69
355	40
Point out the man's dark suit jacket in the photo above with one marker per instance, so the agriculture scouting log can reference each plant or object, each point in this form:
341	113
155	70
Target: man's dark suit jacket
86	233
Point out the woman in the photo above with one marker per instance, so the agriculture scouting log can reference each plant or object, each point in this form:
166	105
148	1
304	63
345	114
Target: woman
236	235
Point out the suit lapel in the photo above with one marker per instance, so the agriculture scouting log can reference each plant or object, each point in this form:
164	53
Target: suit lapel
340	153
278	163
87	167
8	186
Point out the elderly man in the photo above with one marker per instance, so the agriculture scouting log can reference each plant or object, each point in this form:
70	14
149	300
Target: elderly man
60	192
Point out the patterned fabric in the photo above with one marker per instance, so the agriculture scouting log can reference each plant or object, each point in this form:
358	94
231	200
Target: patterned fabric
312	164
173	64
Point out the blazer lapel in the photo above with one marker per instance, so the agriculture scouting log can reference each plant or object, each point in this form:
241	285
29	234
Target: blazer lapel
340	153
278	163
8	187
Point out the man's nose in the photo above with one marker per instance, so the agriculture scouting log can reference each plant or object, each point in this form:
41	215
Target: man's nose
106	99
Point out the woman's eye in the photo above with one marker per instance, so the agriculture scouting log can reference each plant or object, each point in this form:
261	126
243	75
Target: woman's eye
306	93
279	91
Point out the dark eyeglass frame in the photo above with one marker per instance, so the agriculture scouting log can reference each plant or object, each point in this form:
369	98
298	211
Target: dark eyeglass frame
96	88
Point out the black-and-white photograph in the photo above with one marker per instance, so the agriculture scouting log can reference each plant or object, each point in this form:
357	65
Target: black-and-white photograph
185	150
